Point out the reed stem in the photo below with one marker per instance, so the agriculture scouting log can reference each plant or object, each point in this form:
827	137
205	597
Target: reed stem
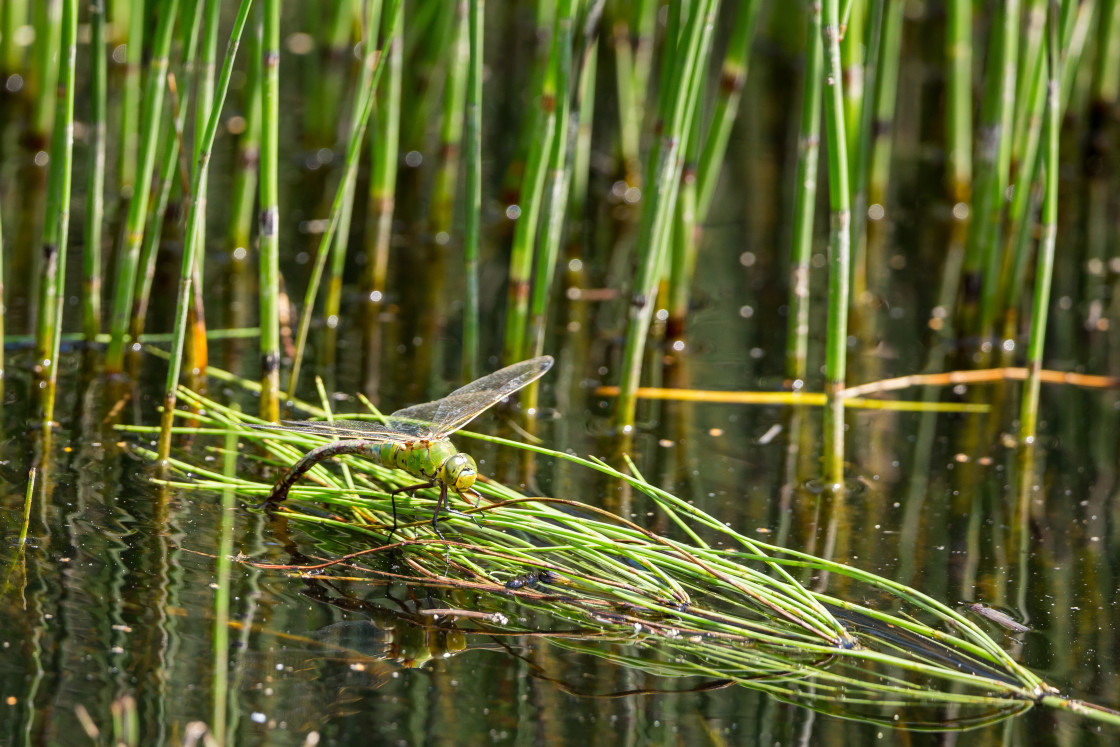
196	214
3	303
243	192
136	14
451	129
530	203
558	180
95	176
364	97
129	258
48	38
982	251
733	76
839	247
332	303
13	15
384	142
808	153
633	41
958	110
678	99
57	226
169	168
1028	418
269	219
473	164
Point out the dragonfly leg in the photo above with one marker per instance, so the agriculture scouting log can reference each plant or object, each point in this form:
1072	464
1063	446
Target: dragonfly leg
472	517
439	505
393	499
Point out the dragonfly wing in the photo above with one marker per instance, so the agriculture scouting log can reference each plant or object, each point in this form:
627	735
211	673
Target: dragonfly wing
362	429
463	405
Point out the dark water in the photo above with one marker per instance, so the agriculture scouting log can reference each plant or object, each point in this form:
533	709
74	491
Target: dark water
112	599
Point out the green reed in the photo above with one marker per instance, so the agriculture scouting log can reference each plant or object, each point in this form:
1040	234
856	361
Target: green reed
172	141
195	217
56	232
327	87
958	110
13	14
633	43
530	200
997	117
150	124
136	16
95	175
384	144
1028	418
3	307
332	303
839	245
684	69
473	165
445	184
808	154
47	20
364	97
244	182
269	216
701	172
853	35
557	184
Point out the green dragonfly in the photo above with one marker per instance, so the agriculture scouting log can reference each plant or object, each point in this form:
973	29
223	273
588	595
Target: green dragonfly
415	439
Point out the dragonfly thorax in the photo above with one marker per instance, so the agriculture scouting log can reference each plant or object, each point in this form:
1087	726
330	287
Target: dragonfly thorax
436	460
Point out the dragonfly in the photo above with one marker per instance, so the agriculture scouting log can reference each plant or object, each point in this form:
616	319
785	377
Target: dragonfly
415	439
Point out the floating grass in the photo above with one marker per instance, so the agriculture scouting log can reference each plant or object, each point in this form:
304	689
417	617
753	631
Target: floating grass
715	602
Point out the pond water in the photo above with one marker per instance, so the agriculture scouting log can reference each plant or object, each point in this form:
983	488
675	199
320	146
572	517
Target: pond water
108	612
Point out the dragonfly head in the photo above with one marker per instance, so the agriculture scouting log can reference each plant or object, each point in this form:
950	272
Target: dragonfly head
459	472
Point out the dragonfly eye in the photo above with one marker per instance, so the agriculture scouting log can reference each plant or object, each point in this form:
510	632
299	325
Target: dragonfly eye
460	471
